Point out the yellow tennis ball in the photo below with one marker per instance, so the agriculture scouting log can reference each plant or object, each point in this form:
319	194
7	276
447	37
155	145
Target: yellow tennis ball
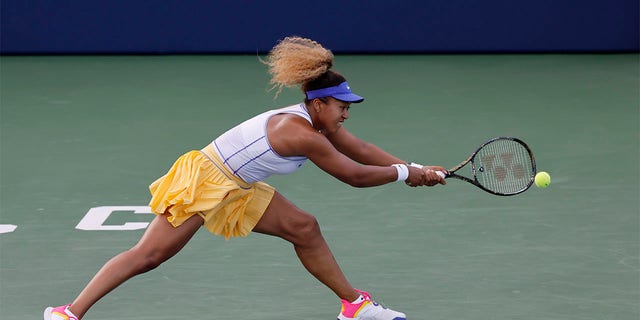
542	179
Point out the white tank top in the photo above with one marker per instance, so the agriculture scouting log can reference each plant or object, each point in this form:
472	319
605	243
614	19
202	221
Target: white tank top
246	151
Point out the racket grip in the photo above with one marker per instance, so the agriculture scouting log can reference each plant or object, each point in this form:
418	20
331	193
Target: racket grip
441	174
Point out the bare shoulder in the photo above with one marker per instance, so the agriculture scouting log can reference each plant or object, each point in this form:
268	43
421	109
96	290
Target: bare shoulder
291	135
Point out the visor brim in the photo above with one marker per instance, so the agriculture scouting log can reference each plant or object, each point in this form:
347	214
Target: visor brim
348	97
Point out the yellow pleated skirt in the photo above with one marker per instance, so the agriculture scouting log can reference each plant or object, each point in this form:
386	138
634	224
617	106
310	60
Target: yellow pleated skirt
199	183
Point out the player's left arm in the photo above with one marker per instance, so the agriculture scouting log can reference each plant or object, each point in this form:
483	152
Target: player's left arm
360	150
365	152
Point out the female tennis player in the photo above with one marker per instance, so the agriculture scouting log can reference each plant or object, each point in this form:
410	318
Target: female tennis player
220	187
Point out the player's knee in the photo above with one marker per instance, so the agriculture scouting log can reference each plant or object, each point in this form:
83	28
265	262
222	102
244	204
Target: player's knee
305	229
151	262
147	261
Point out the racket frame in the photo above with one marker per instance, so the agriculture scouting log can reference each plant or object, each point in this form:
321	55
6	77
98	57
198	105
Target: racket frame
451	172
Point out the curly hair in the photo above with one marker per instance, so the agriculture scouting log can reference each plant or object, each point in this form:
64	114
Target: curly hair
299	61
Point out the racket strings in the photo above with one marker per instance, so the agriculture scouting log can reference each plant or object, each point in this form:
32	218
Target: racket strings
504	166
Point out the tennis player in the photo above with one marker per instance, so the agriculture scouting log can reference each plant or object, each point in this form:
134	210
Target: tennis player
220	187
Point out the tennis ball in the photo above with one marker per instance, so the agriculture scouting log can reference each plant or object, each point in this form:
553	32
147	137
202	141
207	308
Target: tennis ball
542	179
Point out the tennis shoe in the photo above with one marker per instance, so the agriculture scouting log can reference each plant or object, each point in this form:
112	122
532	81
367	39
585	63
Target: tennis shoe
59	313
366	309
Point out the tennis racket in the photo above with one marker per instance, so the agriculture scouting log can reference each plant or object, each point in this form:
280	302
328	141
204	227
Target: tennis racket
503	166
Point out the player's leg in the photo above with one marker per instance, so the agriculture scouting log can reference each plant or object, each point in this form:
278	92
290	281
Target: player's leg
283	219
160	242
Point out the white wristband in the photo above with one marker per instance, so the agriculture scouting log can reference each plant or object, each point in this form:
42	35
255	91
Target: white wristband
403	171
417	165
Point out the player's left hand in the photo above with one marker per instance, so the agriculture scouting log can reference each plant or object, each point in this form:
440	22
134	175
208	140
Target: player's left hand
431	176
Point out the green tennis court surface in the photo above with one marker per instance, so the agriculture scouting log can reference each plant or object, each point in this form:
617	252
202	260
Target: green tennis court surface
85	135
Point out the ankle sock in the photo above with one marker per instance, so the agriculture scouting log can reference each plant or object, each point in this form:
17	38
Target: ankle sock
69	312
356	301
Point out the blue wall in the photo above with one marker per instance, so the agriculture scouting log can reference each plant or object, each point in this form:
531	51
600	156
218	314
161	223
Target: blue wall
345	26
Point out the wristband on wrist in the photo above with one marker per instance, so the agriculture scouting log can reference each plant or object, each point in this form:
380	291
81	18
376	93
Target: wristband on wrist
417	165
403	171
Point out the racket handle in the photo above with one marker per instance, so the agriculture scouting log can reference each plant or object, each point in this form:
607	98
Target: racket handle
441	174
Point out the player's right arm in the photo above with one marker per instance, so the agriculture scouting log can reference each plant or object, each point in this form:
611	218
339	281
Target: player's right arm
293	136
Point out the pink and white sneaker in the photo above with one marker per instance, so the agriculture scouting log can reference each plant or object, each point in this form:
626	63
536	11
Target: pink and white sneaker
59	313
366	309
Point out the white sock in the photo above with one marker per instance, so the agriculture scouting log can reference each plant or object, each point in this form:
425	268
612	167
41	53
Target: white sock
356	301
69	313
